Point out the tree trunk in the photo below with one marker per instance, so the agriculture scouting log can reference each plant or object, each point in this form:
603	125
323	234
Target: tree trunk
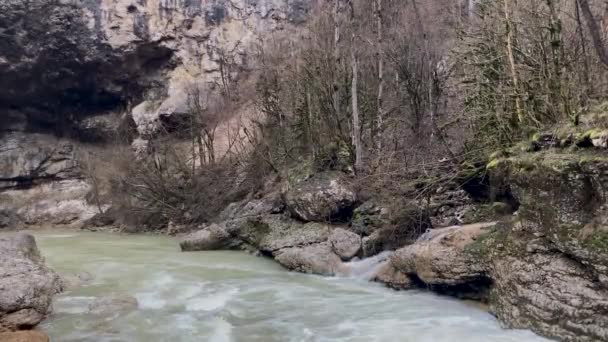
595	31
336	84
511	58
354	96
380	118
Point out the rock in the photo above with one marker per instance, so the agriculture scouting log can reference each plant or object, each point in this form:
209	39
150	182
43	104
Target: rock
549	266
325	197
24	336
8	218
26	158
440	257
111	305
26	285
387	274
315	259
551	294
54	202
344	243
369	217
212	237
275	232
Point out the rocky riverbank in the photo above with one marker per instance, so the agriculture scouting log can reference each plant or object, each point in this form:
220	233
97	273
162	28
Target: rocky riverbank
543	268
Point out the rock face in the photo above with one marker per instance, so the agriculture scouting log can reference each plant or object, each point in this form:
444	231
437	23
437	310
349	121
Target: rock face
26	285
92	71
324	197
544	270
550	267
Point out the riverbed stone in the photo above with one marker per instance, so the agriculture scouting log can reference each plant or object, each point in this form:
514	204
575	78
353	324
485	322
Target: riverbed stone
27	286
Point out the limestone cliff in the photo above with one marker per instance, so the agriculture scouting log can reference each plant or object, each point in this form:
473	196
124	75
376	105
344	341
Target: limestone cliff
83	71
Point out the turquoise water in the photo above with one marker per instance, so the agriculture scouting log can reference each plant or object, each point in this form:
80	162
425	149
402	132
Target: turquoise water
233	296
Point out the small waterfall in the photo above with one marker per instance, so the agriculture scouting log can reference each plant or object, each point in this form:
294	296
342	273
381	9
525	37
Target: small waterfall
365	268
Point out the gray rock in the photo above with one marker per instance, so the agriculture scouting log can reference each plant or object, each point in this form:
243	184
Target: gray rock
324	197
212	237
316	259
344	243
440	257
25	158
275	232
27	286
390	276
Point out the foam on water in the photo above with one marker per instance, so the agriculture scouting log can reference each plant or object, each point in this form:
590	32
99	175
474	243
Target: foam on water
233	297
211	301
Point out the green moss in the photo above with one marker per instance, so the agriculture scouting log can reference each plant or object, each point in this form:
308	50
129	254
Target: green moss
598	242
494	163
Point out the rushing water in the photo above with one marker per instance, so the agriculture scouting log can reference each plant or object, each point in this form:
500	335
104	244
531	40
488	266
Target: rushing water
232	296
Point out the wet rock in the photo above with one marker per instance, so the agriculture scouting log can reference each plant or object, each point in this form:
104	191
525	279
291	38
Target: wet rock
390	276
344	243
212	237
24	336
111	305
316	259
440	257
325	197
27	286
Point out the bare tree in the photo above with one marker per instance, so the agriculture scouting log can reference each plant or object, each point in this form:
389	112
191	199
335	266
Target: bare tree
356	126
594	31
380	57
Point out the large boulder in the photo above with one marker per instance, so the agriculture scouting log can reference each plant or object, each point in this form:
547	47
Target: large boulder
212	237
326	196
316	259
27	286
275	232
441	257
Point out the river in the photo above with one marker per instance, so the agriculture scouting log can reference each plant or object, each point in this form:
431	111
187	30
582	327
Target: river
233	296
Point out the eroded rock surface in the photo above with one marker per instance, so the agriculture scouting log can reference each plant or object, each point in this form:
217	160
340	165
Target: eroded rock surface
27	286
324	197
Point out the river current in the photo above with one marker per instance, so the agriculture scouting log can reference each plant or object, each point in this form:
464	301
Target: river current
233	296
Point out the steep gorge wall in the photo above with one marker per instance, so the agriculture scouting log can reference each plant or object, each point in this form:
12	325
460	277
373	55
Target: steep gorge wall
76	72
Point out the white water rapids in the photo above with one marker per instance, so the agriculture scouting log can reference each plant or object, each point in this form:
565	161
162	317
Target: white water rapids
233	296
